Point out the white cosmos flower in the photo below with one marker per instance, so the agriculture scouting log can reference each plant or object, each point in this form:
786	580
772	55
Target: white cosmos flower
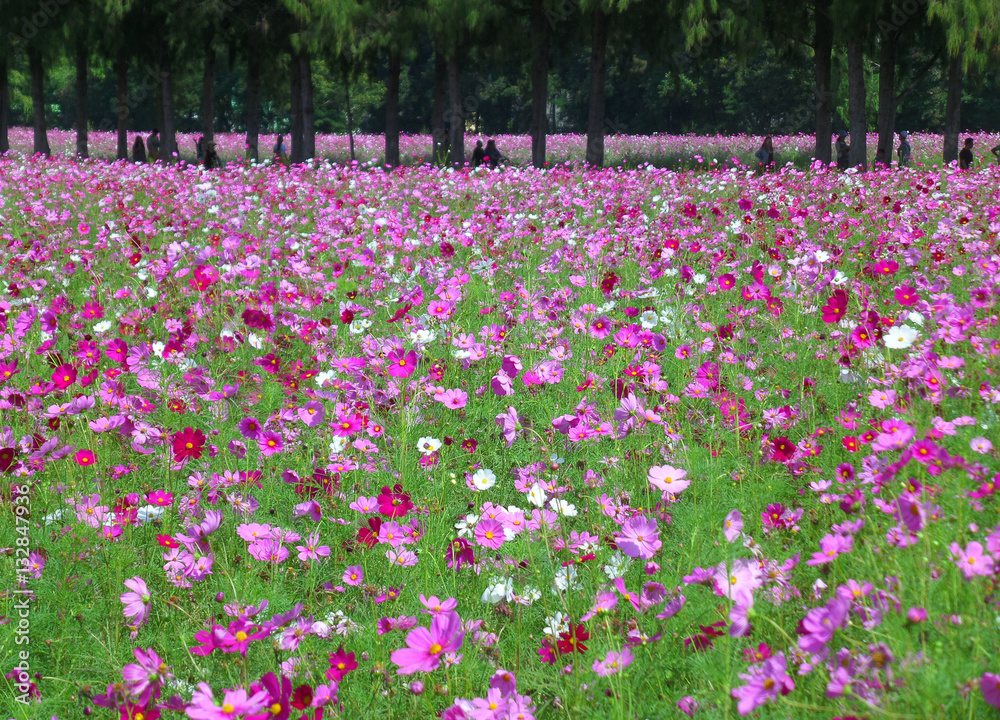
102	326
536	496
428	445
700	278
916	318
617	565
466	524
555	624
562	507
497	591
255	340
484	479
337	445
149	512
649	319
359	325
565	579
900	338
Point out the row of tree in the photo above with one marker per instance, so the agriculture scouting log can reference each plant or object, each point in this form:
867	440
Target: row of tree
149	40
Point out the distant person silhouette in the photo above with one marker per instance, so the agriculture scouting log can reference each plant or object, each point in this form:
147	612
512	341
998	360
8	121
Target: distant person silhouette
842	150
966	158
200	148
492	153
211	157
904	149
153	145
765	155
478	155
138	150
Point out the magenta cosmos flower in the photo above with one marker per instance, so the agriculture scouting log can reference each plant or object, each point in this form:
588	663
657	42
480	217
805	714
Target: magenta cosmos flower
399	364
424	647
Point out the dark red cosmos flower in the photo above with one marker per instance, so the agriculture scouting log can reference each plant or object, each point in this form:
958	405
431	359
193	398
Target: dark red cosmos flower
6	458
470	445
368	536
784	450
347	317
609	282
573	640
394	502
447	249
188	443
459	553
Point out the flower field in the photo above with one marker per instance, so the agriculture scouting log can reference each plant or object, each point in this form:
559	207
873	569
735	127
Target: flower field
668	151
332	442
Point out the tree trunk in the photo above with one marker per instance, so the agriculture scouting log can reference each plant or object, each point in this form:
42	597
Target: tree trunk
253	99
81	100
208	92
439	137
308	110
539	84
456	140
953	109
121	77
392	111
823	43
4	104
298	153
168	137
595	114
38	100
887	96
856	103
350	114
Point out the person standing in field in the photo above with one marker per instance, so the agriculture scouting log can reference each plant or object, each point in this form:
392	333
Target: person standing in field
904	149
211	157
842	150
966	158
996	153
279	149
478	155
765	155
153	144
138	150
492	153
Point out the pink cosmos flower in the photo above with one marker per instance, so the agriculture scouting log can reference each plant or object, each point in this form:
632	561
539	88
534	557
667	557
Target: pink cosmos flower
972	561
270	443
136	601
234	703
763	683
455	399
311	413
733	525
435	606
668	479
354	575
489	533
989	683
640	538
424	647
980	445
830	547
147	676
614	662
312	550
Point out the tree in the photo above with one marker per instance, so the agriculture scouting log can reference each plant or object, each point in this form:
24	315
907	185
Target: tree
972	32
